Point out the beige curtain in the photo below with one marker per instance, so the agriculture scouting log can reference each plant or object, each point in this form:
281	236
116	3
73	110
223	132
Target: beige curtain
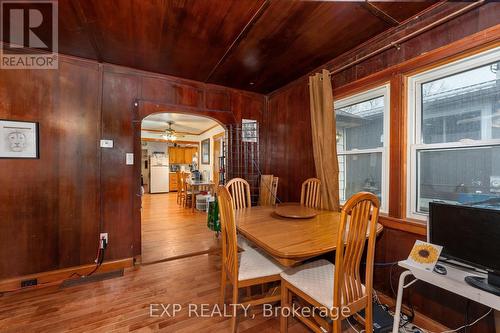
324	138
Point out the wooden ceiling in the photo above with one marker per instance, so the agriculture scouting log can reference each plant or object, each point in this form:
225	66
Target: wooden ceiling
257	45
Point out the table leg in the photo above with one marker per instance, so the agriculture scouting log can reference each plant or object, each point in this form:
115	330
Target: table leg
399	301
497	321
193	197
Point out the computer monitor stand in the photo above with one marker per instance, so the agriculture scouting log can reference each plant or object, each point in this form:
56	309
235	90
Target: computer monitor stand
490	284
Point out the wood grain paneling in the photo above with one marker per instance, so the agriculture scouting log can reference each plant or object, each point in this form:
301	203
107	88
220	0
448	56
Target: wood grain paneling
479	19
288	142
50	206
182	38
217	100
255	45
171	92
287	124
289	30
118	185
53	208
397	147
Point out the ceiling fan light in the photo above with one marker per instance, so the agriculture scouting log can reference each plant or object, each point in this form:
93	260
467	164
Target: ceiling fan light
169	136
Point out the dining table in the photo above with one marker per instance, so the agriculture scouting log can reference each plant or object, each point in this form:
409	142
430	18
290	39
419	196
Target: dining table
290	240
196	186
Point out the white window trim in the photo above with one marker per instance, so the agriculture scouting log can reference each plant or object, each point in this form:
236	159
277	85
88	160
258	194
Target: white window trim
361	97
414	120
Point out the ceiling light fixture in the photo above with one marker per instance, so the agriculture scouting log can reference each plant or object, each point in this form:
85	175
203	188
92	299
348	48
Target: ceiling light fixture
169	132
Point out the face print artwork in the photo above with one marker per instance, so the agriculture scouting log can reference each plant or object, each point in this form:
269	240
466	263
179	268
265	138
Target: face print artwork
18	139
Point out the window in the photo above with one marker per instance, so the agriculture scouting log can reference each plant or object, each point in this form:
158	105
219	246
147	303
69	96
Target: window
362	143
249	130
454	134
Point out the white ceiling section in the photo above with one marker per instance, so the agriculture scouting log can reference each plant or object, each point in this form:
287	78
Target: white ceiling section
182	122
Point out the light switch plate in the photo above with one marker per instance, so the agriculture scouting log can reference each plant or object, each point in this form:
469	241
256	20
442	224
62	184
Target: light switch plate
106	143
130	159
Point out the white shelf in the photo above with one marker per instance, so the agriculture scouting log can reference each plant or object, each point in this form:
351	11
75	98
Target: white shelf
454	281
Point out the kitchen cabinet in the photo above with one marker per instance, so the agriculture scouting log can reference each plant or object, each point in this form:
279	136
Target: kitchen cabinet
181	155
172	182
188	154
173	155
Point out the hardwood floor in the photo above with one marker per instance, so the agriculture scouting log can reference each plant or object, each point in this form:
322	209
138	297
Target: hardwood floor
123	304
170	231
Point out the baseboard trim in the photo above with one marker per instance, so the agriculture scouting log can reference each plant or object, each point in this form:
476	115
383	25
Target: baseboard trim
419	320
56	277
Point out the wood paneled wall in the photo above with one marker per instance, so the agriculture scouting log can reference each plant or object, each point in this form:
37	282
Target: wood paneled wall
53	208
49	210
287	144
288	153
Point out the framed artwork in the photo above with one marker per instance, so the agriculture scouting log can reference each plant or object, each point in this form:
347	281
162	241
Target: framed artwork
18	139
205	151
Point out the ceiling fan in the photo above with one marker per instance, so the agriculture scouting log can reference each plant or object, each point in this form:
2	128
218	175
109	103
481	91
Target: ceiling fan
170	134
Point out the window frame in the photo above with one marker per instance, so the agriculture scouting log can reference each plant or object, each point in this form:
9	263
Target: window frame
363	96
414	117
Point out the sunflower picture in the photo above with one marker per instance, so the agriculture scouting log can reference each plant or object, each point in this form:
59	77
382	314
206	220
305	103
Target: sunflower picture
425	254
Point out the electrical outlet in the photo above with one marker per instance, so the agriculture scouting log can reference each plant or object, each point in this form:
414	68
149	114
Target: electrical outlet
29	283
106	143
103	235
129	159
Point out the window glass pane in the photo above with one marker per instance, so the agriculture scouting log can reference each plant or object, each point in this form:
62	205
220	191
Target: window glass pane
361	125
360	172
249	130
462	106
464	175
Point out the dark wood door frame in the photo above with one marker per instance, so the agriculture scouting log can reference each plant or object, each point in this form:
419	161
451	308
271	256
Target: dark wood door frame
142	109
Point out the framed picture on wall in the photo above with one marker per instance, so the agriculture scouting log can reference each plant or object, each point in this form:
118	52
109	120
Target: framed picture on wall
18	139
205	151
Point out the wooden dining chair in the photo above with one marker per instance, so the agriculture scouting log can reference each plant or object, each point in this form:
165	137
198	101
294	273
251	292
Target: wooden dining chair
310	195
187	191
240	193
245	269
332	287
180	189
268	190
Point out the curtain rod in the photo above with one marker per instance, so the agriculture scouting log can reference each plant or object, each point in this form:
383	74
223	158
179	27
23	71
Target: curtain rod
409	36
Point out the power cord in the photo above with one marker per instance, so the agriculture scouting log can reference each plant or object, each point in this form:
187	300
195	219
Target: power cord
390	280
466	315
466	325
103	244
270	189
352	326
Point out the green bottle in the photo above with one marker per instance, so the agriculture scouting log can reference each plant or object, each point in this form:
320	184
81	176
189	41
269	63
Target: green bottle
213	219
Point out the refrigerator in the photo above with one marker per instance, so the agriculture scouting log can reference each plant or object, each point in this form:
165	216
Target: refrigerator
159	173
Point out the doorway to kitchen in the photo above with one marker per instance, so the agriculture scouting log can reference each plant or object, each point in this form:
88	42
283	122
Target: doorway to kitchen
178	150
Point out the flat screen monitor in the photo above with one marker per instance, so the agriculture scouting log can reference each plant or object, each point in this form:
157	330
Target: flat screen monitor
468	234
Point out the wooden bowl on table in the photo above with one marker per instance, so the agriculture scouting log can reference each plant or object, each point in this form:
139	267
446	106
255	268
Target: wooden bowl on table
295	211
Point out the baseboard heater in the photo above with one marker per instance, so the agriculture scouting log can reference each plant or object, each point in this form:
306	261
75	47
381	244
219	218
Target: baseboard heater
92	278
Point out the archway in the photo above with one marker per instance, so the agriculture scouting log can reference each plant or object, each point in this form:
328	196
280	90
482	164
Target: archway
168	230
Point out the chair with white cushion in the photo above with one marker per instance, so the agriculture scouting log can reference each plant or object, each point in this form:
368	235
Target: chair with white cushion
326	286
248	268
